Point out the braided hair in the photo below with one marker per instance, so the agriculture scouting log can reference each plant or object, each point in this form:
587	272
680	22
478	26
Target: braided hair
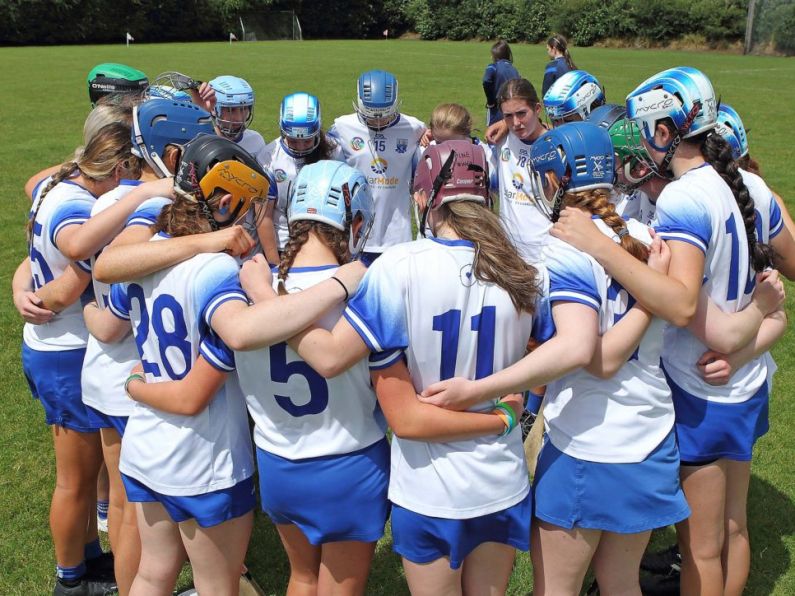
717	152
335	239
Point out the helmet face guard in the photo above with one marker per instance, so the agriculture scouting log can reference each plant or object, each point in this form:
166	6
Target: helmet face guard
233	94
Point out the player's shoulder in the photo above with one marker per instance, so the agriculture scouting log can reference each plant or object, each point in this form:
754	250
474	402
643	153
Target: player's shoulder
414	123
113	196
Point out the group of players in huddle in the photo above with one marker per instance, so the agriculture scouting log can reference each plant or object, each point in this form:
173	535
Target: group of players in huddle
184	276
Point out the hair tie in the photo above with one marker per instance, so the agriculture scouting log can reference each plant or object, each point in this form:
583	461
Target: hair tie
623	232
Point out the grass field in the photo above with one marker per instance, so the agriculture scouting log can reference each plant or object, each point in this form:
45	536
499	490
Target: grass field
44	102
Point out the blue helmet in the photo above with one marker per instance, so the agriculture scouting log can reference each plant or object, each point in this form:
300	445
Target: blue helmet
157	123
334	193
575	93
232	92
607	115
580	154
683	94
377	102
299	119
731	128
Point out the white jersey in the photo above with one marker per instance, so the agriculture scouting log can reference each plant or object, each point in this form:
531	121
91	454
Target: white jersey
285	168
700	209
387	158
617	420
769	221
526	226
636	205
253	142
171	312
106	366
423	298
298	414
65	205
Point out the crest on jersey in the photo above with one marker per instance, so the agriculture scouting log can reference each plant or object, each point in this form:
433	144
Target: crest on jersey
379	165
466	276
357	143
280	175
505	154
402	145
517	181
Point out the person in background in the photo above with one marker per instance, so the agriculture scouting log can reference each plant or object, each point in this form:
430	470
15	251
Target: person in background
560	61
500	70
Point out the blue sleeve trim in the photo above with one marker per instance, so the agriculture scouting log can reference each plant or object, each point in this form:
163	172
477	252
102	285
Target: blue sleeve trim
217	354
569	296
85	265
69	221
213	305
683	236
361	328
383	360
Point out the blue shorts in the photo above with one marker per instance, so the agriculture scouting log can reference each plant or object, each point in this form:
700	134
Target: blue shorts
423	539
621	498
54	379
708	430
209	509
332	498
101	420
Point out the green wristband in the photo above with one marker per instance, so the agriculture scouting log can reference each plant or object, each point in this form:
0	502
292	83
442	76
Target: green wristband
513	419
130	379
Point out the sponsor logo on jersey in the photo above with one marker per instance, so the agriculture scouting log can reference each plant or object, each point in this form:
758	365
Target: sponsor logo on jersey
280	175
402	145
379	165
357	143
383	181
505	154
517	181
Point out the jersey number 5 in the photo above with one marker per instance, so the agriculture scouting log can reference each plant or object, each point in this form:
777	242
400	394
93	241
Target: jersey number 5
281	371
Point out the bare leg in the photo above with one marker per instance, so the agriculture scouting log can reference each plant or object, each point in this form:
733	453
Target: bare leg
344	568
162	553
304	561
487	569
701	536
736	556
216	554
77	460
617	563
560	557
433	579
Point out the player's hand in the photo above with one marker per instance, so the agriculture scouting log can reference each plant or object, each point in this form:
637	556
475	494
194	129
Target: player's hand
137	369
715	368
659	254
257	279
426	138
206	97
31	309
162	187
234	240
453	394
769	292
496	132
516	402
350	275
576	227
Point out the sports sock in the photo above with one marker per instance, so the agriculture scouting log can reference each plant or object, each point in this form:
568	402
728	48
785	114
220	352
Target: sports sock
102	509
70	576
93	550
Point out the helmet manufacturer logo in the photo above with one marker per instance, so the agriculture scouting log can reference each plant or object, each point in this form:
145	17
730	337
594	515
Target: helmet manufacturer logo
663	104
548	156
598	166
357	143
379	165
280	175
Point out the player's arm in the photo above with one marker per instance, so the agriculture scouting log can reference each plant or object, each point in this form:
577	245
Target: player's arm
187	397
38	178
65	289
83	241
330	353
266	232
26	302
571	347
615	347
103	324
673	297
728	332
496	132
717	368
411	419
132	256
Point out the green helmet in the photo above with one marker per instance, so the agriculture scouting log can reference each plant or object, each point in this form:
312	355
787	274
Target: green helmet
110	78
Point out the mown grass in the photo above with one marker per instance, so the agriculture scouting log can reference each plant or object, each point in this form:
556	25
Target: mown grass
44	101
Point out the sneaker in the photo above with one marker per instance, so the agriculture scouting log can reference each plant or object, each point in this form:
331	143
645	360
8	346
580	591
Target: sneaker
102	523
101	568
664	562
85	588
660	585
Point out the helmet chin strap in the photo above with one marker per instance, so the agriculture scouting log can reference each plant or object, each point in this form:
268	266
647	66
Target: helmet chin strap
664	168
557	200
444	175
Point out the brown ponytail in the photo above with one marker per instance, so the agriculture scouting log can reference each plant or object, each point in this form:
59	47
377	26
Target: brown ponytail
496	259
598	203
335	239
181	217
718	154
559	43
